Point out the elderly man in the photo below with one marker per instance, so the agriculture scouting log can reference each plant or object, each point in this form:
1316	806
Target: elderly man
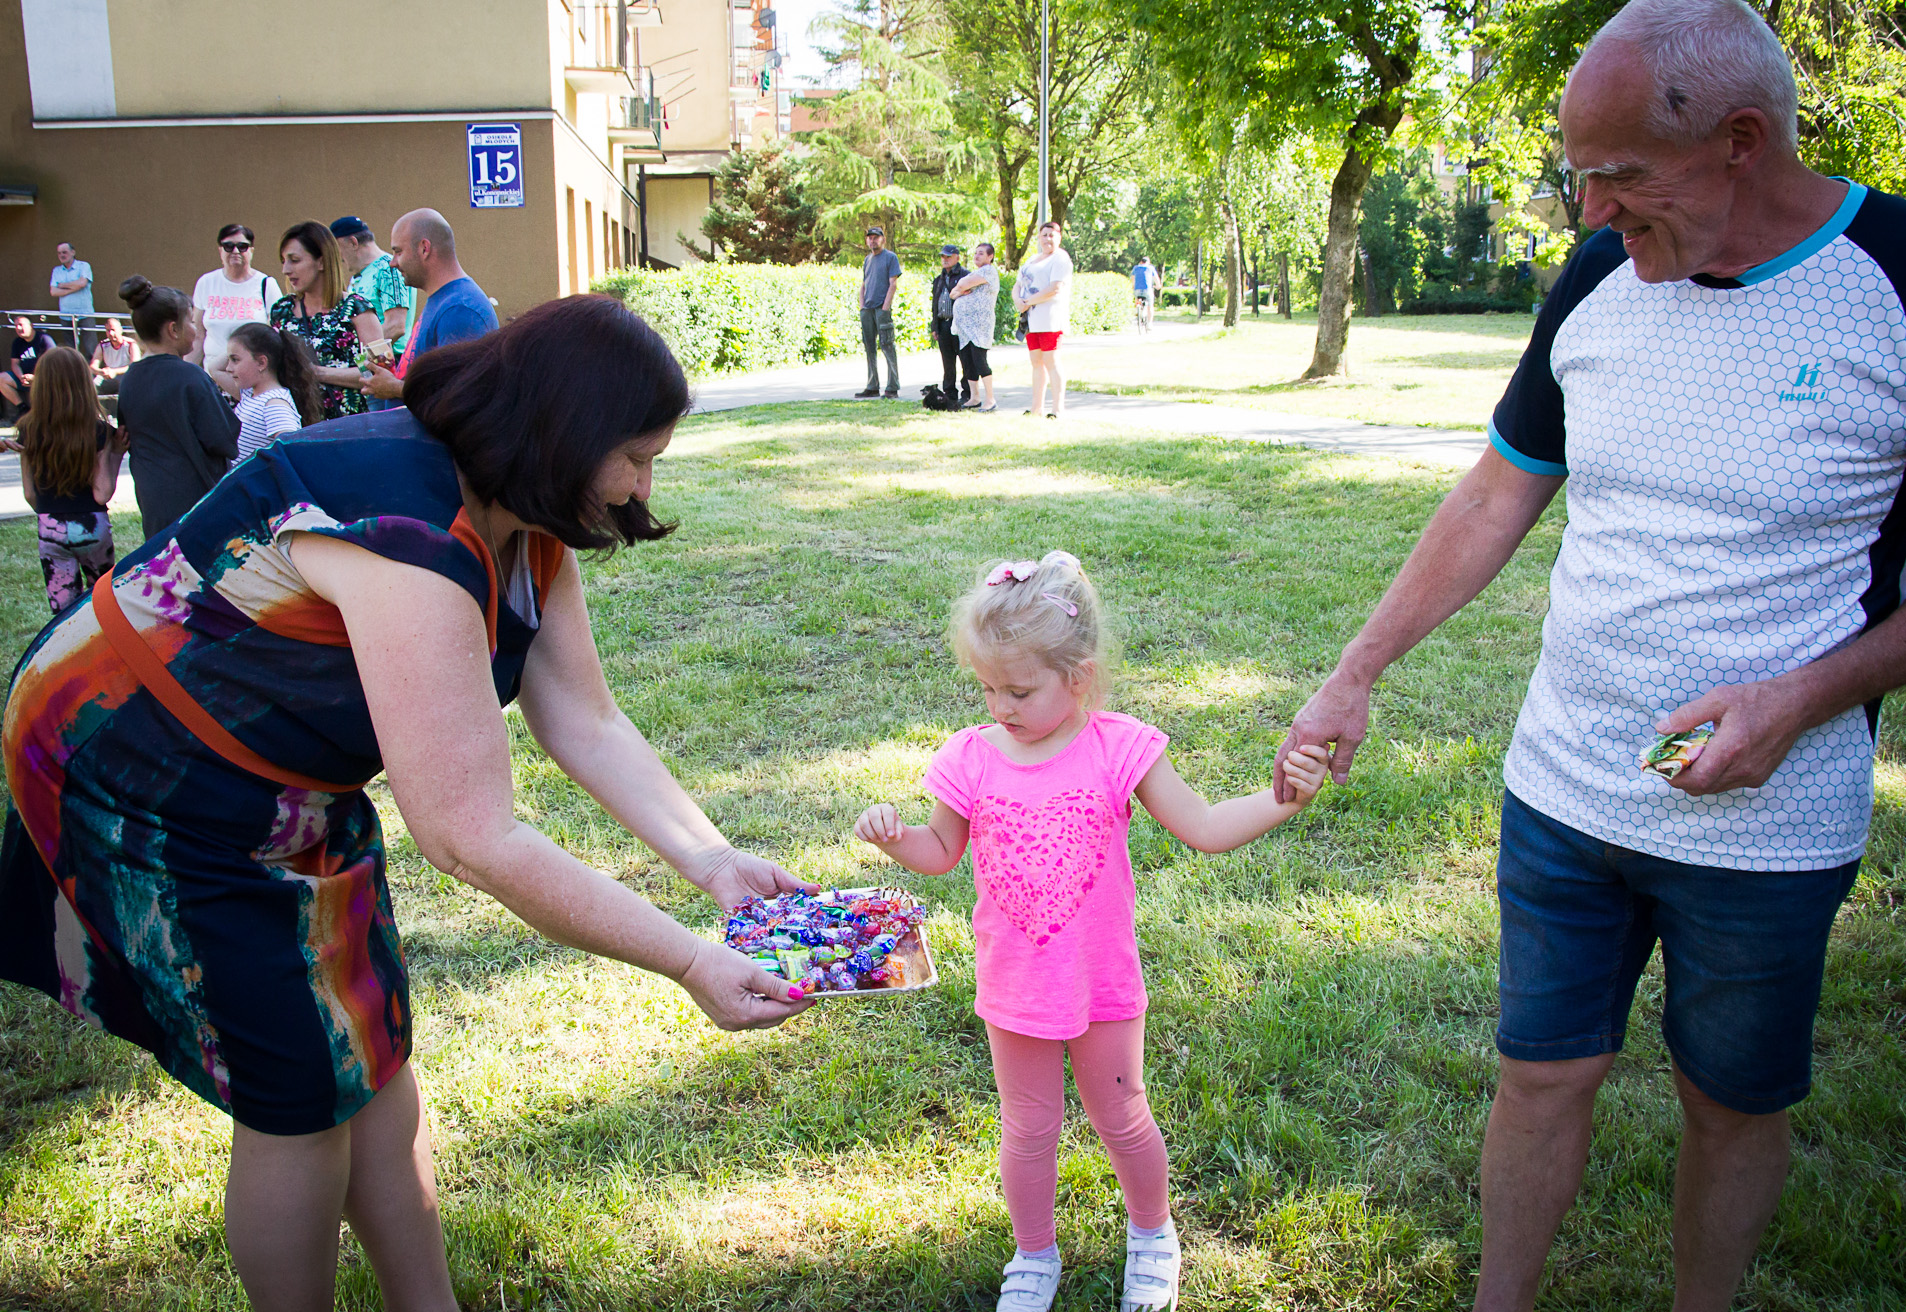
1714	378
375	277
71	284
425	252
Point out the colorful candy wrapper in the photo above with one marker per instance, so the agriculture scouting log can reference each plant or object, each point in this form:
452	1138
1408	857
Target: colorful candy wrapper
1675	752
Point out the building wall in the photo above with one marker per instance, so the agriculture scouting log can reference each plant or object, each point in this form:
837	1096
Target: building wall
690	58
676	205
174	58
151	200
601	210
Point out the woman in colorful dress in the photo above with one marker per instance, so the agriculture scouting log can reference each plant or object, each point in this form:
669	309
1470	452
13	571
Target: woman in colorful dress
191	862
335	322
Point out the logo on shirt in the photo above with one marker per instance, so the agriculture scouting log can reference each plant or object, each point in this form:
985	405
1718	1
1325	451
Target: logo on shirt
1805	386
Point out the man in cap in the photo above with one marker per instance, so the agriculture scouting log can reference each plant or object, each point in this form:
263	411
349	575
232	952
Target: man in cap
376	278
879	277
951	273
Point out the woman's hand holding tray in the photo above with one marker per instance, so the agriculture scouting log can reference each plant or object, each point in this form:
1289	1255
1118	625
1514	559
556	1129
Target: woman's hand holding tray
843	942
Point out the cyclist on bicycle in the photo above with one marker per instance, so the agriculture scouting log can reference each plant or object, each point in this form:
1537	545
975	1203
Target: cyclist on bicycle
1144	292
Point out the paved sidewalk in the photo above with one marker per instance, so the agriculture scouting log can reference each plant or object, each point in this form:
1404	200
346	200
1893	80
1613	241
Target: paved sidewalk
840	378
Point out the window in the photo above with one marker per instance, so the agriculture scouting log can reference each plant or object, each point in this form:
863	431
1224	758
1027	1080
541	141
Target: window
589	237
574	285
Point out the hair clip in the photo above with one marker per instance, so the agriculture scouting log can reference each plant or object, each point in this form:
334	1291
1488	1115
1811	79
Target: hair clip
1062	604
1012	571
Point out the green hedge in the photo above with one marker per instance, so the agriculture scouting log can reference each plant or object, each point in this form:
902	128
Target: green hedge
721	318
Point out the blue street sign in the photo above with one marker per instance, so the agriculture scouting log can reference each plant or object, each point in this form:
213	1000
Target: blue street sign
496	165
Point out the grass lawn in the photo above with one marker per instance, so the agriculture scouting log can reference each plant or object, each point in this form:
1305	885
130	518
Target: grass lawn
1320	1036
1437	371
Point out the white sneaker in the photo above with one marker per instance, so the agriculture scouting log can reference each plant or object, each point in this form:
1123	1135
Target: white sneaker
1030	1284
1151	1271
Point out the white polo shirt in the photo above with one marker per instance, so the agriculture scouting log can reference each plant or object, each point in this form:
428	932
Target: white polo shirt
1734	451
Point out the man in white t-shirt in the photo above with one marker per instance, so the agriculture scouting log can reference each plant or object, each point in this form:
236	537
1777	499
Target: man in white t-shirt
1043	293
1715	379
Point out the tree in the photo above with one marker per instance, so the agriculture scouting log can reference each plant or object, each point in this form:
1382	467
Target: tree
1099	81
1165	214
890	145
762	213
1849	65
1347	71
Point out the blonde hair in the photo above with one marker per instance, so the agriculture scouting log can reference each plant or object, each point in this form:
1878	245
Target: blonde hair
1046	610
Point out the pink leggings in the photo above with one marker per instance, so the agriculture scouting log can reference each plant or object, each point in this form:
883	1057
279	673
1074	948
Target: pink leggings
1108	1066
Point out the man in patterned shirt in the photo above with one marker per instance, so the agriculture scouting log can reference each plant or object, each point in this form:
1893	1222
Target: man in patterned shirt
1717	380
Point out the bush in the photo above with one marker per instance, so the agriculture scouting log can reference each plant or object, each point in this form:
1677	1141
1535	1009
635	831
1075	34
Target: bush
720	318
1465	300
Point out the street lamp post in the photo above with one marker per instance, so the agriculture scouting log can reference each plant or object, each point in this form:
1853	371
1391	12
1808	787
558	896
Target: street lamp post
1045	87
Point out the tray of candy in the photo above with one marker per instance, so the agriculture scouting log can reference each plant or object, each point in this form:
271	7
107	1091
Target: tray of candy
841	942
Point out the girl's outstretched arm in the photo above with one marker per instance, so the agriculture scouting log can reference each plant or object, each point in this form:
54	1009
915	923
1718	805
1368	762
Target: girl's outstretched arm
1236	821
929	849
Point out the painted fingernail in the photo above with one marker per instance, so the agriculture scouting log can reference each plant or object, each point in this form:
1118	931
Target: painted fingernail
797	994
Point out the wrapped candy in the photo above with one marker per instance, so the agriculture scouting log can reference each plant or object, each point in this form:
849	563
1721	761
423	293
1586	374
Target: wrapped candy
830	942
1675	752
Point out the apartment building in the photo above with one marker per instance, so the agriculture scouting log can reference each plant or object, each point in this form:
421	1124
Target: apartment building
135	130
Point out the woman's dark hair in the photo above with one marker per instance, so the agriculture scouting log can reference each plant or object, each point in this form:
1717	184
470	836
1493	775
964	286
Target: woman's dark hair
237	229
154	307
291	364
60	433
531	411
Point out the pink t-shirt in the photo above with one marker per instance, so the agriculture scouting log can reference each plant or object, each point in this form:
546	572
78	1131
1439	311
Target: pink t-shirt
1055	921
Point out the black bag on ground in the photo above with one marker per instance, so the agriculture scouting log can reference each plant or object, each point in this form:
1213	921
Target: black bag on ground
932	398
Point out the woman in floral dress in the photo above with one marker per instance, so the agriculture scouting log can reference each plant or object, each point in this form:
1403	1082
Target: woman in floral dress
334	321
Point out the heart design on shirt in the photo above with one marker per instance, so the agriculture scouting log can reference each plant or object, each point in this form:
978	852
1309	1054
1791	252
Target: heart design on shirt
1037	863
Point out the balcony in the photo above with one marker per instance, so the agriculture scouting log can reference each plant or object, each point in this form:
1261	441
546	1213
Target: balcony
639	125
599	47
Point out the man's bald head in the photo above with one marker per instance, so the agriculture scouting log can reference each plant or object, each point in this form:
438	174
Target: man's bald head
424	249
430	226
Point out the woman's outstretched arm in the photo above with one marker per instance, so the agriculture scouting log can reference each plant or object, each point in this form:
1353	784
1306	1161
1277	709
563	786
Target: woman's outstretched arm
423	656
568	706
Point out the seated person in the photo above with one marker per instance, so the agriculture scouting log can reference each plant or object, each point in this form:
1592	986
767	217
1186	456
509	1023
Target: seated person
112	357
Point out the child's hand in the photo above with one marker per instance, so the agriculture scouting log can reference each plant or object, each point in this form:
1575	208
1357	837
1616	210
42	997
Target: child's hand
879	824
1304	771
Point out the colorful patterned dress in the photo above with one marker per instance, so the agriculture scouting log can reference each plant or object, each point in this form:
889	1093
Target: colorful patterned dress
233	918
332	336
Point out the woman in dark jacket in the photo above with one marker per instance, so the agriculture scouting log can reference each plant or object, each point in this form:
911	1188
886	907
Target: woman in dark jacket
181	432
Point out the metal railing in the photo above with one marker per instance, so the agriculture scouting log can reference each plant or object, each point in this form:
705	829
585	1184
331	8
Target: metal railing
56	322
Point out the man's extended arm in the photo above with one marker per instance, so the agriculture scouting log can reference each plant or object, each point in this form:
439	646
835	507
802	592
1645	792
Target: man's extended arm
1465	545
893	285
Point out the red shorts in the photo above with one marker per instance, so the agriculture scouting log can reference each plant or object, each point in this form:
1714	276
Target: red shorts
1043	341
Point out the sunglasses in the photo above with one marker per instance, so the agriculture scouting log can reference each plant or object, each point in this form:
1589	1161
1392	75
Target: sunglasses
234	246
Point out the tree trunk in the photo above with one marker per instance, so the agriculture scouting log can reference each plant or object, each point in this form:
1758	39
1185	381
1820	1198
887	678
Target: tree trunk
1233	271
1340	243
1284	284
1257	282
1197	272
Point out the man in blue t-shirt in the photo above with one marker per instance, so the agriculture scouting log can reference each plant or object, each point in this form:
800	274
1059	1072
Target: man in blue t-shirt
425	251
1714	379
1144	290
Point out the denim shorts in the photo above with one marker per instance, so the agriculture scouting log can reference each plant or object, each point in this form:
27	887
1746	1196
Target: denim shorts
1743	952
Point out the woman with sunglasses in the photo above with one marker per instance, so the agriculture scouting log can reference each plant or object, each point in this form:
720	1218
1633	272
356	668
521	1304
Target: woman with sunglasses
229	295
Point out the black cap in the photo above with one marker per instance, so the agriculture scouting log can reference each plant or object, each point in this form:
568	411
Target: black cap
350	226
876	231
949	249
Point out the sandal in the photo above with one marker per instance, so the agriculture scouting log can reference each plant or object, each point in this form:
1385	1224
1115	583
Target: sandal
1151	1271
1030	1284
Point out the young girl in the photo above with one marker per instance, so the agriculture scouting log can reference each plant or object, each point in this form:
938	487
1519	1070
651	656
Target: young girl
1045	793
69	465
270	375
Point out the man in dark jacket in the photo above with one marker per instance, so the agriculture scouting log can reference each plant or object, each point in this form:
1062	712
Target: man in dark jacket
951	271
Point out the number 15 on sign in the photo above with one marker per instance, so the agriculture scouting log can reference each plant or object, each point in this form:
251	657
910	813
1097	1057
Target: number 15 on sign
496	165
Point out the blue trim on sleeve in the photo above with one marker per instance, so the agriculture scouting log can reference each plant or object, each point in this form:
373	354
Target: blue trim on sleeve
1527	464
1806	250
